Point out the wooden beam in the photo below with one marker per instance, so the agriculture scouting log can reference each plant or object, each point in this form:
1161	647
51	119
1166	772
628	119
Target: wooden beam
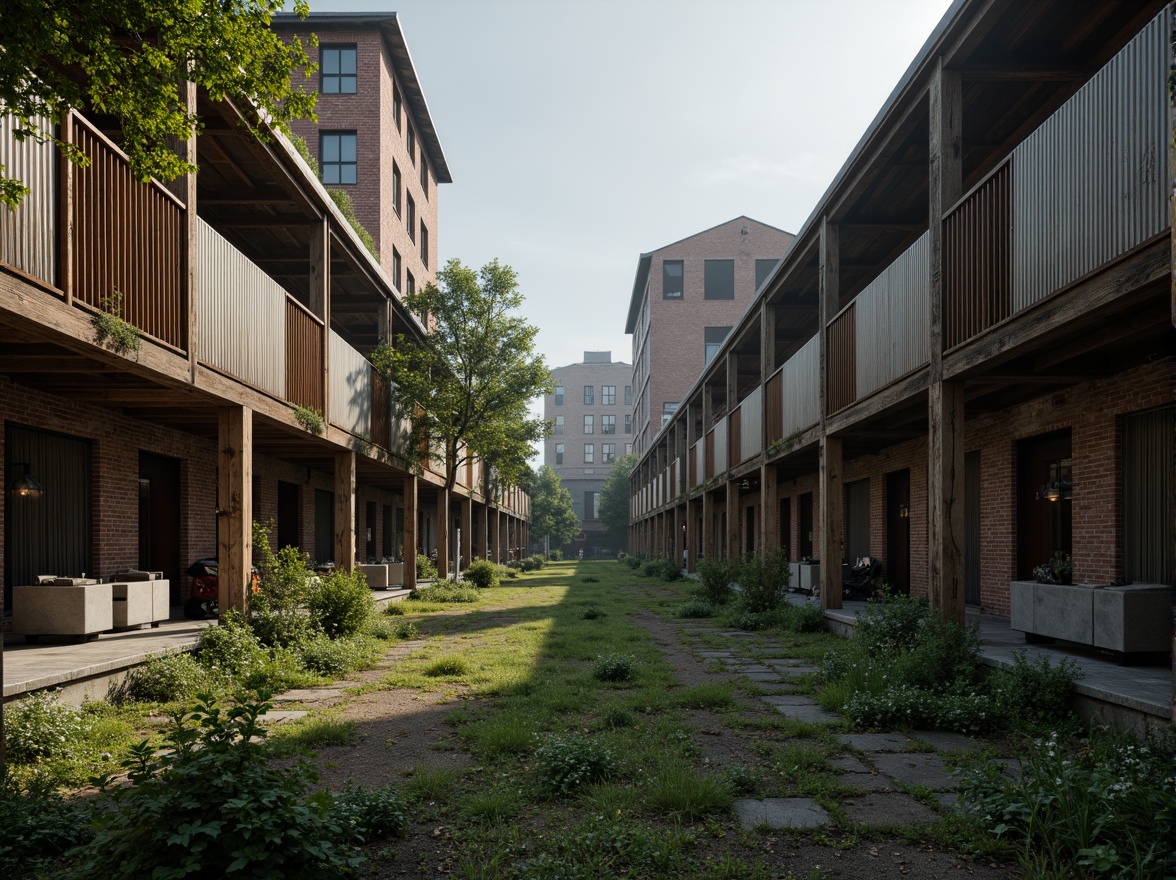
769	510
732	537
345	510
1014	71
408	546
945	497
467	532
234	514
832	521
442	533
830	292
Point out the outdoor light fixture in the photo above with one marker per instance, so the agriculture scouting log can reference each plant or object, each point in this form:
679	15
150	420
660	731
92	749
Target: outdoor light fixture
1059	486
26	485
904	511
745	485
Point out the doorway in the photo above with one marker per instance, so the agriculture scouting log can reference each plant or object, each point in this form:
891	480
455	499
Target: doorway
898	531
749	530
324	525
159	519
857	520
786	526
289	516
370	531
806	525
1043	500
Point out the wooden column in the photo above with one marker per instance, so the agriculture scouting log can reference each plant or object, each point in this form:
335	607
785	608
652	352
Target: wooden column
442	533
495	539
485	523
409	538
467	532
320	299
345	510
769	509
189	265
734	551
708	525
690	537
234	515
767	344
945	400
832	522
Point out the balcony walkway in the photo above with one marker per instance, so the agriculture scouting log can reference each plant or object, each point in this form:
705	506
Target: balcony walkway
83	670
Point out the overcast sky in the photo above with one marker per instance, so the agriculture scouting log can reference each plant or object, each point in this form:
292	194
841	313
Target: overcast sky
580	135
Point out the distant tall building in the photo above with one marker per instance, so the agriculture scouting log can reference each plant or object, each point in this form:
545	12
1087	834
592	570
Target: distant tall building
374	138
591	411
686	297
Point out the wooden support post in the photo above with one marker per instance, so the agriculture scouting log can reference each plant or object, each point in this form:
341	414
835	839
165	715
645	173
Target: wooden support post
67	177
189	265
769	510
732	537
767	343
320	298
467	532
495	535
234	515
708	525
442	533
832	522
345	510
409	551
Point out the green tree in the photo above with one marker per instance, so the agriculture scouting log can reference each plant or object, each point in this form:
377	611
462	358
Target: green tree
466	386
552	515
127	59
614	501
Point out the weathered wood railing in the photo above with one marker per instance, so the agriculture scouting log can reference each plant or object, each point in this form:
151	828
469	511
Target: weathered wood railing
304	356
721	460
977	240
800	386
351	388
774	406
28	235
734	436
697	463
751	424
842	360
891	315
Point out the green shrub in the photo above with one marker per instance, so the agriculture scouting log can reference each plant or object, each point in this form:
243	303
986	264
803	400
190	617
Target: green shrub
406	630
164	679
907	708
892	626
369	814
539	560
554	555
325	656
633	562
278	610
231	649
716	576
282	670
446	592
764	579
1033	692
447	667
808	619
39	826
675	790
565	763
482	573
696	608
211	805
377	627
426	567
342	200
511	573
394	609
615	668
340	603
593	613
40	727
945	656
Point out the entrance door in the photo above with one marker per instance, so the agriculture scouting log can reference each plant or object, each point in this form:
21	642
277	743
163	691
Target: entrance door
898	531
289	516
1043	500
786	526
857	520
324	525
370	534
806	525
972	528
159	519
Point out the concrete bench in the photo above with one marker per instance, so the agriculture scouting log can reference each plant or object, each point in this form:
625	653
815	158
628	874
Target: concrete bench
81	610
1125	619
141	602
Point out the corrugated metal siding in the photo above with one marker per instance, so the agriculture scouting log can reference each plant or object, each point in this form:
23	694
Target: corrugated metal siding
351	388
751	424
1090	183
842	359
1147	496
720	432
892	335
699	463
241	314
28	239
801	386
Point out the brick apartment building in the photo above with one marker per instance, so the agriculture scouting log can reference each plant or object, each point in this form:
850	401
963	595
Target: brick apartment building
374	138
592	417
686	297
965	362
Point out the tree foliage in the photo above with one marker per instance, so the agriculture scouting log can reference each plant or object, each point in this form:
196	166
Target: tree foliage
466	386
128	58
552	514
614	500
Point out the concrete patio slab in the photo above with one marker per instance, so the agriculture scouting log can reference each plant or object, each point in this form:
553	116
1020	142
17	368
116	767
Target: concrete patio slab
876	742
809	713
916	769
946	741
887	810
866	781
850	764
761	676
781	813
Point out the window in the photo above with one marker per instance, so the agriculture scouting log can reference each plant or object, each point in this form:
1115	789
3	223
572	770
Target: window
608	424
628	449
628	423
608	395
718	279
589	395
669	407
628	395
671	279
337	157
712	341
559	453
559	395
588	424
608	453
410	220
590	505
411	144
424	245
397	106
559	425
763	268
337	70
589	453
409	283
396	263
424	174
396	188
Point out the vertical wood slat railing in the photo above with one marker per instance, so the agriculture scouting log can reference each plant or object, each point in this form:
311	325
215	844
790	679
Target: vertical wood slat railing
381	412
774	406
28	234
977	245
692	467
709	454
127	240
304	356
751	425
735	436
842	360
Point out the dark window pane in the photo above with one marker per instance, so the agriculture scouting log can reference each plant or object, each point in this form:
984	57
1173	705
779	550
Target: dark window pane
763	268
719	279
672	279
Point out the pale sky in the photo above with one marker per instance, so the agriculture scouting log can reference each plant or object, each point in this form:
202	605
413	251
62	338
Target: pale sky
580	135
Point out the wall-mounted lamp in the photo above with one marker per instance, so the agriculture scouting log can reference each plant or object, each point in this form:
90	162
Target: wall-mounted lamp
26	485
904	511
745	485
1059	486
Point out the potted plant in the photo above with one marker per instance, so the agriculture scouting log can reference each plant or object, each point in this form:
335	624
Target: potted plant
1057	570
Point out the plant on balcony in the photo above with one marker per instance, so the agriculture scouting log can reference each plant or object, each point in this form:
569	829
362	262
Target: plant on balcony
342	200
309	418
112	329
1057	570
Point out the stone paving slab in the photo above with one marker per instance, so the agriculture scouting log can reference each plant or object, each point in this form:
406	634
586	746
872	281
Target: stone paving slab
850	764
887	810
945	740
307	695
788	700
876	742
866	781
781	813
761	676
777	662
744	670
737	635
949	800
280	715
916	769
809	713
773	688
795	671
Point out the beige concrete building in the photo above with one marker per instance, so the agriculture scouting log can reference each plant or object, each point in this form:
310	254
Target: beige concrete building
686	297
591	412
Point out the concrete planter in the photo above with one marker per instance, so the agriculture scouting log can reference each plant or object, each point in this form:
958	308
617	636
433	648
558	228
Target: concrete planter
1127	619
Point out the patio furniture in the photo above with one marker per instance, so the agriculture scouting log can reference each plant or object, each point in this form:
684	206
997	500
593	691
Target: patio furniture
141	602
80	607
376	575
